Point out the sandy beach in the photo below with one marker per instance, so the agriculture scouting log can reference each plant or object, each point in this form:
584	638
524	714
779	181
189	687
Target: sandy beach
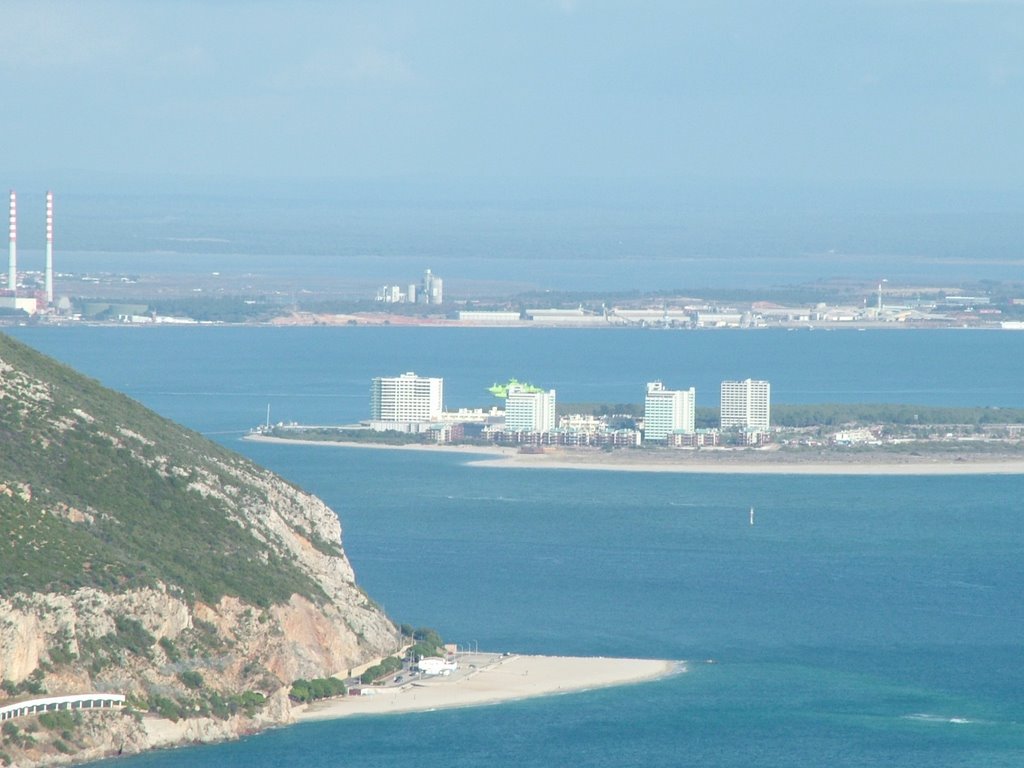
492	678
738	462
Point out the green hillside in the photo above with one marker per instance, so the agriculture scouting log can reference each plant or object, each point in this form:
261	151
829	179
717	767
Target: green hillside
96	490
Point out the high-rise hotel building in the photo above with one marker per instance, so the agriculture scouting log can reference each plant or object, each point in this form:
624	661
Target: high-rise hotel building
527	411
668	410
746	404
406	398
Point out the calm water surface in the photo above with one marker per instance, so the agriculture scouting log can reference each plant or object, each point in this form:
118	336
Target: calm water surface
861	622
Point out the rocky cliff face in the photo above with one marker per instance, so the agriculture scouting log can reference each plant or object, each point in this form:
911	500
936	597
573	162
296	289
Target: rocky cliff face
137	557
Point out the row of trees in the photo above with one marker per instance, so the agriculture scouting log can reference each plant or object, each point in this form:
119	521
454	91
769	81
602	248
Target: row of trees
388	666
317	688
838	414
426	642
829	414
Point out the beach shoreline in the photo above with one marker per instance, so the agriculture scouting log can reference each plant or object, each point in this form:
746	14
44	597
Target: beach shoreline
485	679
715	461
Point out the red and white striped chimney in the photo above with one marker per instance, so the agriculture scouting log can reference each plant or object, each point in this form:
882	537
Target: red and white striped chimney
12	261
49	247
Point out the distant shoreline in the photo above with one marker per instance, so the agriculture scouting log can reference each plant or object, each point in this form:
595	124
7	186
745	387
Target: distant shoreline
485	679
738	462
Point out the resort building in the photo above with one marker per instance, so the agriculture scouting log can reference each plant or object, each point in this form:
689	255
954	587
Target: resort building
668	410
527	411
746	405
699	438
406	398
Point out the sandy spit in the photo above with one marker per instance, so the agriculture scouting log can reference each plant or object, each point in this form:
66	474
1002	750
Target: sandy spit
794	467
707	462
494	678
483	450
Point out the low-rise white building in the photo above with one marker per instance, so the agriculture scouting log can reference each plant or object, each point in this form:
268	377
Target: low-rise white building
433	665
483	316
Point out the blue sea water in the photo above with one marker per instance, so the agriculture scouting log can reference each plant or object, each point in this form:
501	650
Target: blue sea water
223	378
862	621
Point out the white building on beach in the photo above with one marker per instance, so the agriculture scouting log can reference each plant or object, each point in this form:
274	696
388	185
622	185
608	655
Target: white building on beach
527	411
407	398
436	666
668	410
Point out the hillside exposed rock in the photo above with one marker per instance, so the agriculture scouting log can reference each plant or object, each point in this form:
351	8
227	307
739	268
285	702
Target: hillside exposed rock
140	558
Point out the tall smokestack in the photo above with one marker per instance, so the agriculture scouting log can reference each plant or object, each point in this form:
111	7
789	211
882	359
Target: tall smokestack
49	247
12	261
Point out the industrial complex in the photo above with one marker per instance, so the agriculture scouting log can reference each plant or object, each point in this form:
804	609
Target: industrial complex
30	302
169	297
429	291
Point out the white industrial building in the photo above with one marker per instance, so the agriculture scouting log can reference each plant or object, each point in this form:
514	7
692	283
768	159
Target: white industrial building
483	316
433	289
746	405
430	291
566	317
527	411
406	399
668	410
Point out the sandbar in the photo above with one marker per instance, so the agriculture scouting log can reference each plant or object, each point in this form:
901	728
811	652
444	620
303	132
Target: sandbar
483	450
491	678
715	461
776	465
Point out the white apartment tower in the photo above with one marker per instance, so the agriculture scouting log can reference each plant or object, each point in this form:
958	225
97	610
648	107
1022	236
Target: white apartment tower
529	411
668	410
746	404
406	398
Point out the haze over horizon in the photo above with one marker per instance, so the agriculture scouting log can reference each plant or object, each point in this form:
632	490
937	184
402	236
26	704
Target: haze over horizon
549	129
905	93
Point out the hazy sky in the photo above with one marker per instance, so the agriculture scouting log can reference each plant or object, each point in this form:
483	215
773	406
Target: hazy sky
916	91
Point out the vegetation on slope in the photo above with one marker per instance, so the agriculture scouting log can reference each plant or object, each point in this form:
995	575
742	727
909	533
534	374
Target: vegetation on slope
96	490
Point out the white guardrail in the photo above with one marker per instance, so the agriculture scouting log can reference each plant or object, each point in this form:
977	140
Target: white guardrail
57	703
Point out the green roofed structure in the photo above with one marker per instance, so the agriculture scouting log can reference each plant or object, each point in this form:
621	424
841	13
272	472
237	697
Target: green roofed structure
501	390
